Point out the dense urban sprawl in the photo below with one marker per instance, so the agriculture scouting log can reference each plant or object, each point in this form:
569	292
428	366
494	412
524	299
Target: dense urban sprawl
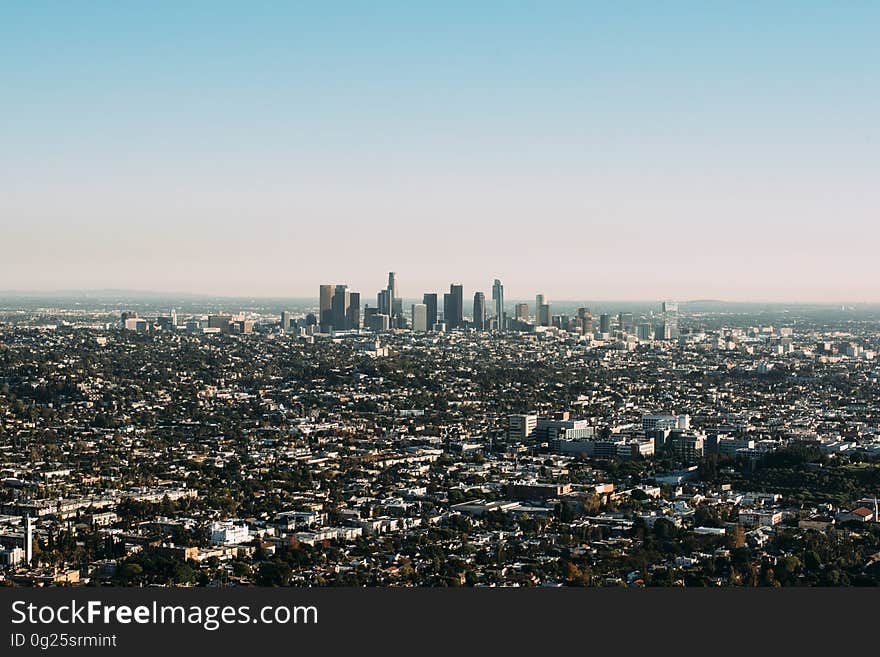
324	446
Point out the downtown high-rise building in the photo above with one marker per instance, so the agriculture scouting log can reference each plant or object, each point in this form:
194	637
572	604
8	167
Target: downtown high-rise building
392	286
480	311
544	315
542	311
604	323
585	321
453	306
419	317
397	319
340	309
389	302
379	322
353	313
498	304
369	313
521	312
325	308
663	331
430	301
670	319
383	303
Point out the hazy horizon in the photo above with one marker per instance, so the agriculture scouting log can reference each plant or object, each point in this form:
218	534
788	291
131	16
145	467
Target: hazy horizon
367	298
651	151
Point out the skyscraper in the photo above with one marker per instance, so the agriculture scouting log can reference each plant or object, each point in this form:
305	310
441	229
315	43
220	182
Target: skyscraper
662	331
389	303
339	306
353	314
544	316
480	311
453	306
430	301
542	311
383	303
585	321
670	318
498	300
419	317
325	308
369	313
604	323
392	285
522	312
379	322
395	303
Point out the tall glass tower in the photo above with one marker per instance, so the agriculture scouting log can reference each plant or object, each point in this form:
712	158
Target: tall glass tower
498	299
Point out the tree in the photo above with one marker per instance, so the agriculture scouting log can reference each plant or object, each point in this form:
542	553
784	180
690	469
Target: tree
591	503
664	529
639	495
241	569
737	539
131	572
274	573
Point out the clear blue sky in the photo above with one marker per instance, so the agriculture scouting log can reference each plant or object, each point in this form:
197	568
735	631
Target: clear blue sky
585	150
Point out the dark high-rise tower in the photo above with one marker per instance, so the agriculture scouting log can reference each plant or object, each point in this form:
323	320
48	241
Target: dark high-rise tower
430	300
585	321
453	306
542	311
392	285
544	317
395	303
353	314
480	311
498	301
369	313
340	305
383	303
390	304
325	308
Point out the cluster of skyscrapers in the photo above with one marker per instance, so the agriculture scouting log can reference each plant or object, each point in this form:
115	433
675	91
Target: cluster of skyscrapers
340	310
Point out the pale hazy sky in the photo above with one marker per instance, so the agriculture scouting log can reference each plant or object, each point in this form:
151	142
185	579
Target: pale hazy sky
586	150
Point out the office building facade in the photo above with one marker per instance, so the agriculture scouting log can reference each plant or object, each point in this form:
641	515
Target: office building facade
430	301
479	321
453	306
498	304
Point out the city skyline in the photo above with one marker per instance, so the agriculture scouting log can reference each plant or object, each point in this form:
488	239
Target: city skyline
511	300
689	152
